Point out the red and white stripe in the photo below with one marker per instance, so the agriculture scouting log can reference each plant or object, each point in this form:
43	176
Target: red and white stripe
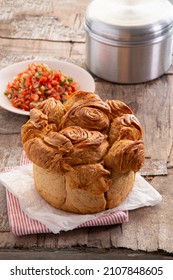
24	159
118	217
21	224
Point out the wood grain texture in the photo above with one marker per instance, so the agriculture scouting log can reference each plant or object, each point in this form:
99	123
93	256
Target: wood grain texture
53	29
151	104
62	20
81	253
4	224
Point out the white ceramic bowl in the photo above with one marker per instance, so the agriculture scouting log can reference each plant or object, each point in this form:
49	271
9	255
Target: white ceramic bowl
80	75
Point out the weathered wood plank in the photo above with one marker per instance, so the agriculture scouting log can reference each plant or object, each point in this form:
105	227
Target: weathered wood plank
151	103
62	20
81	254
4	224
54	29
12	51
8	240
11	123
154	168
76	237
100	237
10	156
19	50
150	227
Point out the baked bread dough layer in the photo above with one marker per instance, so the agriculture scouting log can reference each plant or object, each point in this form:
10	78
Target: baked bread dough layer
85	153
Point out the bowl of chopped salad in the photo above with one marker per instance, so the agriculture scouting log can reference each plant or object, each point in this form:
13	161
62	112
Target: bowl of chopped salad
23	85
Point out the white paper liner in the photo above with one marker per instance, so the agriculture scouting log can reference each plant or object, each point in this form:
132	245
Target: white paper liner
20	182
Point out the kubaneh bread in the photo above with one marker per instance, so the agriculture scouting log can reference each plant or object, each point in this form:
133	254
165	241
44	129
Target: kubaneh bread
85	153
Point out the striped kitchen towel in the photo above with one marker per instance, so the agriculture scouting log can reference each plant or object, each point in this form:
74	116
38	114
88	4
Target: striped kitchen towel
22	224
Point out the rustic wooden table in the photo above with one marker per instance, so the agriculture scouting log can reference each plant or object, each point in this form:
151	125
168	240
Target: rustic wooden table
54	29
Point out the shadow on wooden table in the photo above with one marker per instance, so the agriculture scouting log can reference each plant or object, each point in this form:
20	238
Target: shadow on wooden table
82	253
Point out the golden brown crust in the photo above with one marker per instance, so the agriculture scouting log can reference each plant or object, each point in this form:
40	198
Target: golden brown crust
83	202
91	177
125	127
122	185
51	186
125	155
76	192
90	147
53	109
60	151
86	186
118	108
84	99
87	111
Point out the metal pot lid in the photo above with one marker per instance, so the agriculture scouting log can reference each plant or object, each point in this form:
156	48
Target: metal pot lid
130	20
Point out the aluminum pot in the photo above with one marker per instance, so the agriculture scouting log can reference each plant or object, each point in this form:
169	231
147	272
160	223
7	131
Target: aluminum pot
129	41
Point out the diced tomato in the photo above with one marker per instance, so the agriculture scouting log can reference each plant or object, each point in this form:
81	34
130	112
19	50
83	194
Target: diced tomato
27	102
26	97
56	96
16	102
23	92
28	83
24	106
37	83
34	97
43	79
54	82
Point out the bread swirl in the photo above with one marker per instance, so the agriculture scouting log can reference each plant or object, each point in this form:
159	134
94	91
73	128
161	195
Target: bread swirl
85	153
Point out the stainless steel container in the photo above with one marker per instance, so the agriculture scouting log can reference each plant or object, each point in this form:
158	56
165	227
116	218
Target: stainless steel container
129	41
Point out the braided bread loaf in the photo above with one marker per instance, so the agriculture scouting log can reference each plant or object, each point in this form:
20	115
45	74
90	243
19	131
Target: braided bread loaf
85	153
